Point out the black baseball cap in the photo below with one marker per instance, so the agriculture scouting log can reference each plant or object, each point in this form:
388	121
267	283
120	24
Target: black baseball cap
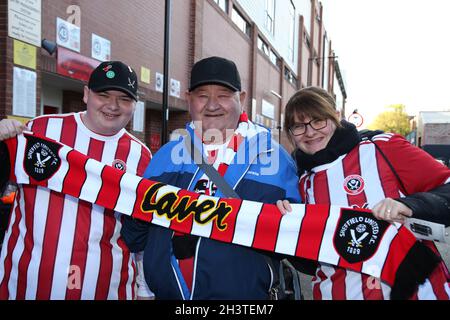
215	70
114	75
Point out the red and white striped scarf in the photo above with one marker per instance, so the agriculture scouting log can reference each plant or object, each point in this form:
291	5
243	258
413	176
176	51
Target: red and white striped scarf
242	132
344	237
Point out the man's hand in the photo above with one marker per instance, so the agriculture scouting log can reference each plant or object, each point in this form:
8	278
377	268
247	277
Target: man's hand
391	211
10	128
284	206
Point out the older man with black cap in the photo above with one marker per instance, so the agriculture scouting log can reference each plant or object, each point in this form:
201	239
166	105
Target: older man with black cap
250	166
60	247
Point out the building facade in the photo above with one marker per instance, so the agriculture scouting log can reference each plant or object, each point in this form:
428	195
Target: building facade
49	47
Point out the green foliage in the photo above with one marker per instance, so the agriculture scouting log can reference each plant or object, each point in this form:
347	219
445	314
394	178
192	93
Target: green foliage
394	120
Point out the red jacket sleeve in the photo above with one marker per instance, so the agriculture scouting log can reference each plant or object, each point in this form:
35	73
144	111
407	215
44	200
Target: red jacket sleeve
418	170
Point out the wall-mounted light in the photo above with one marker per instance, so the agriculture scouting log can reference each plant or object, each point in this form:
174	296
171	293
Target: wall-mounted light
276	94
49	46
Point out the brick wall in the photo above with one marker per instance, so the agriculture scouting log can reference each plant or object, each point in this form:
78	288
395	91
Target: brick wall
73	102
135	28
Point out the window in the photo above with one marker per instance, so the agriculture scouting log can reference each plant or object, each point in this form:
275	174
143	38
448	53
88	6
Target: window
239	20
291	32
274	58
263	46
326	63
288	75
270	16
223	4
307	41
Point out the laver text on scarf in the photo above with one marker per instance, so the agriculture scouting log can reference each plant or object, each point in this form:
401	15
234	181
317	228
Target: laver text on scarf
175	207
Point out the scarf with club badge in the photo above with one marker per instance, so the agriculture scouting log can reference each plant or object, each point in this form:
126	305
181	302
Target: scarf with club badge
344	237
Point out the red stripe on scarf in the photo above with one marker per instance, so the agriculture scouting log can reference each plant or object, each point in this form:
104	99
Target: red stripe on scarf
184	226
227	234
267	227
403	239
109	192
76	176
308	245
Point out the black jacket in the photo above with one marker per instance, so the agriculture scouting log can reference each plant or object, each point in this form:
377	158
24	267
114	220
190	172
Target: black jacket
433	205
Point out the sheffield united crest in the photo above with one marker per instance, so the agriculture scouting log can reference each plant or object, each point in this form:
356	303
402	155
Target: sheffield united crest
41	158
354	184
358	235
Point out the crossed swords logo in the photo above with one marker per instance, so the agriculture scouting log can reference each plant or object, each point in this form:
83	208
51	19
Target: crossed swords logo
357	242
41	163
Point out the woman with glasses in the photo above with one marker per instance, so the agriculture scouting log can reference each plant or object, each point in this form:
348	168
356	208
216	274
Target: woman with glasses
384	173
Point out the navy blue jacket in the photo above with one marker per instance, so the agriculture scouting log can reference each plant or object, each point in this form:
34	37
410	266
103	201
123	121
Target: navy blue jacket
221	270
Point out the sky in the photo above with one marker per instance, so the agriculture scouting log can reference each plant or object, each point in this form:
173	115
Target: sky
391	52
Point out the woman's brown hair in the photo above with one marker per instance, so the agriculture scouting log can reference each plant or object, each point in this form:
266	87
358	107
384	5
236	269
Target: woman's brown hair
312	102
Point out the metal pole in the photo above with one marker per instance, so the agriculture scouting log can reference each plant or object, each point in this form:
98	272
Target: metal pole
165	106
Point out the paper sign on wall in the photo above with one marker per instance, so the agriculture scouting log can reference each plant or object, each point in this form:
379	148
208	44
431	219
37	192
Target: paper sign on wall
145	75
24	93
100	48
67	35
24	54
24	21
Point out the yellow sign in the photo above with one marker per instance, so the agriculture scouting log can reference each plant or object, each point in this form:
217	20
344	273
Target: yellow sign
145	75
24	54
21	119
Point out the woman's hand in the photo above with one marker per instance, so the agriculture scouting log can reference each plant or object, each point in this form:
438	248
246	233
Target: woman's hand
284	206
391	211
10	128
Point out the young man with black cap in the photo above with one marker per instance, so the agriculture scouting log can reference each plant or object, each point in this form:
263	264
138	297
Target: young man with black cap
60	247
179	266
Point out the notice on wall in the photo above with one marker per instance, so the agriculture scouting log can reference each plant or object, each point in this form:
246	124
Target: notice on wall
67	35
268	109
159	83
101	48
24	21
24	93
24	54
145	75
175	86
138	117
23	120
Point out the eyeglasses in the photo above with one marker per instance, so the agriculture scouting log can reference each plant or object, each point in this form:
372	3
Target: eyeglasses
300	128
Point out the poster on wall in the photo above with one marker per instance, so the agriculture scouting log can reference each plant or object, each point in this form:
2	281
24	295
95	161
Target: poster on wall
101	48
75	65
155	141
159	83
67	35
24	21
24	54
175	88
268	109
24	93
145	75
